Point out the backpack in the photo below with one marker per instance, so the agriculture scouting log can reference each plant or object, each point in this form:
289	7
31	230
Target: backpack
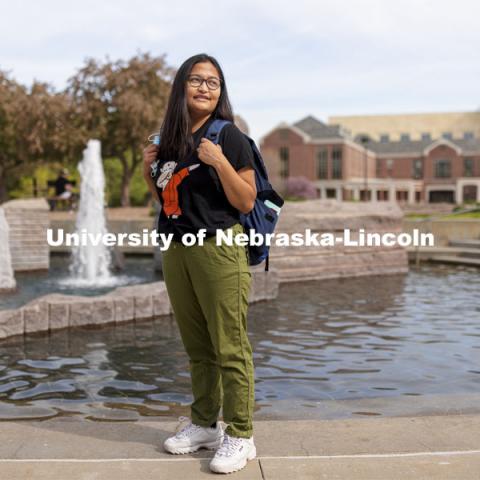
264	216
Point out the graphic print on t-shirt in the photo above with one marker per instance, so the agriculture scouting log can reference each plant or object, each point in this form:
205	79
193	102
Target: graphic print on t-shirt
169	182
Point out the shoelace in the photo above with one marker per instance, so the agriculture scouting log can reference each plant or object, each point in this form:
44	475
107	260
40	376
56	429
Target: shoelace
186	429
229	445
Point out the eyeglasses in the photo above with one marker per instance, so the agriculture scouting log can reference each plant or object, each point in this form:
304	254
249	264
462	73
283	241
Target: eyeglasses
212	82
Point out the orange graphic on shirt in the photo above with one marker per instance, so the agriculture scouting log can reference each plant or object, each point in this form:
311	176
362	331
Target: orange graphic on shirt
170	181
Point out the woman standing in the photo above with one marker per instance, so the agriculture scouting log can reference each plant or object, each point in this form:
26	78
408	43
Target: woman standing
201	185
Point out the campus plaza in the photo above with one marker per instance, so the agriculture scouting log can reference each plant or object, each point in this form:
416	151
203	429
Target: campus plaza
308	238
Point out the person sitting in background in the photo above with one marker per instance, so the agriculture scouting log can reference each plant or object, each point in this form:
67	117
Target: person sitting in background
63	188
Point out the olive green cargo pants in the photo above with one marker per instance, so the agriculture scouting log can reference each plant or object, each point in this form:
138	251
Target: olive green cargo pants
208	286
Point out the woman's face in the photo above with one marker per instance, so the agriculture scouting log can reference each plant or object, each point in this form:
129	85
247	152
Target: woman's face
201	100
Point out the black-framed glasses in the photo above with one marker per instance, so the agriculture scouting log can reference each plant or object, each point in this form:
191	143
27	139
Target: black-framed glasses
212	82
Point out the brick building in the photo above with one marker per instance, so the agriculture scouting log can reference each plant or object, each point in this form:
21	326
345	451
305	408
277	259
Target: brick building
344	167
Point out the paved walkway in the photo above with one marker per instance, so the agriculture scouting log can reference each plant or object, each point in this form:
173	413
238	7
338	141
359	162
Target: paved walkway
427	447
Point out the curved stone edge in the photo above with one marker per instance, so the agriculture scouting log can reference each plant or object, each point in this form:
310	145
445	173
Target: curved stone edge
124	304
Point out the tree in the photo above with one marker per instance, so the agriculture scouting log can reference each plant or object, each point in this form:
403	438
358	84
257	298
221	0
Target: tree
121	103
34	128
300	187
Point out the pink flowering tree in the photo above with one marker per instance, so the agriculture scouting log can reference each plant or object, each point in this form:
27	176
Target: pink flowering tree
300	187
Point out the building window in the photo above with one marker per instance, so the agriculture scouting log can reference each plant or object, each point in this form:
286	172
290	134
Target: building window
442	168
378	167
382	195
468	135
384	138
447	135
405	137
331	193
284	134
389	164
426	136
322	163
337	163
402	195
468	167
417	170
365	195
284	158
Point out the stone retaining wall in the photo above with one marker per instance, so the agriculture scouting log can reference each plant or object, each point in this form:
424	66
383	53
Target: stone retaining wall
445	229
28	220
330	216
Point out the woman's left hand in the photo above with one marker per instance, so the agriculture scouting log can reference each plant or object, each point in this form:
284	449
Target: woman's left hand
210	153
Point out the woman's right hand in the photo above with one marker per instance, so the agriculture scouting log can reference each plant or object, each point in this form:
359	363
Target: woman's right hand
149	155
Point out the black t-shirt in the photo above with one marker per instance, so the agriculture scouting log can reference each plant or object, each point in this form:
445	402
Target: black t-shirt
191	192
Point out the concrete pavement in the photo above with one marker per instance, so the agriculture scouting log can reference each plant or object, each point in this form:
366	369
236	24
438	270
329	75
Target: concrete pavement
425	447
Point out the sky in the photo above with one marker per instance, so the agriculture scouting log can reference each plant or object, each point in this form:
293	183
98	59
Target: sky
282	60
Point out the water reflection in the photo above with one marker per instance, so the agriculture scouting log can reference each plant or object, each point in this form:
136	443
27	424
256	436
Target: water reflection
385	336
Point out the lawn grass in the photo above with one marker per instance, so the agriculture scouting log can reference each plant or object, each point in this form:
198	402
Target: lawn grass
417	215
450	216
464	215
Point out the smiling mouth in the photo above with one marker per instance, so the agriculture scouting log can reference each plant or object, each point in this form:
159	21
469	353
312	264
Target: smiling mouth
201	98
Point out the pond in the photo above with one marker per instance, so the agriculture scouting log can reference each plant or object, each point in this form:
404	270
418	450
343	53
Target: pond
324	349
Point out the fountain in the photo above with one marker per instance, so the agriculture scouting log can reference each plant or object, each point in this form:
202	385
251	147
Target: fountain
91	263
7	279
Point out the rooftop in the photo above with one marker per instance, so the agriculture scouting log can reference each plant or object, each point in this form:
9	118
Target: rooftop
318	130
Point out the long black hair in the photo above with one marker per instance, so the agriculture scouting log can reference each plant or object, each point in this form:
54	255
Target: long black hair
176	130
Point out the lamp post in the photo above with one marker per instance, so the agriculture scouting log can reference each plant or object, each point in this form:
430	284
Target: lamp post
364	140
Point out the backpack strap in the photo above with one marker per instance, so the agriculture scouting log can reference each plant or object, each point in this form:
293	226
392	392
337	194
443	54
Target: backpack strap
258	157
214	129
213	134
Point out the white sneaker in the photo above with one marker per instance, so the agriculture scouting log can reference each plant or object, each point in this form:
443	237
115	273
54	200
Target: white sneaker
191	437
233	454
